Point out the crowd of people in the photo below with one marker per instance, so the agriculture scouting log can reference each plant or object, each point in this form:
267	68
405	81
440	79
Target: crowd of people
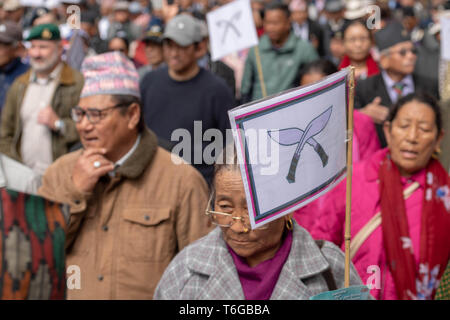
95	95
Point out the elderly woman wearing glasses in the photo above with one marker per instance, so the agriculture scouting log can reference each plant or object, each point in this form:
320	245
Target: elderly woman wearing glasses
400	217
277	261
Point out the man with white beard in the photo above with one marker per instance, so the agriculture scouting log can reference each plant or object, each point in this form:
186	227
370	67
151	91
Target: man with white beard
36	126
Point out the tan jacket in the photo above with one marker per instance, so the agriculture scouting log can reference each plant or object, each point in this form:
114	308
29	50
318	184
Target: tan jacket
66	96
124	234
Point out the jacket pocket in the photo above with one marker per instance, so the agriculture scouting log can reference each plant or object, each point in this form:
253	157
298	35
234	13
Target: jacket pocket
148	234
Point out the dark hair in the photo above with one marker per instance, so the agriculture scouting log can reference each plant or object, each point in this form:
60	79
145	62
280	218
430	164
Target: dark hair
122	35
275	5
422	97
355	22
127	100
323	66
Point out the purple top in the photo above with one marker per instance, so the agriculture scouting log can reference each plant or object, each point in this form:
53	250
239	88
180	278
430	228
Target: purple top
258	282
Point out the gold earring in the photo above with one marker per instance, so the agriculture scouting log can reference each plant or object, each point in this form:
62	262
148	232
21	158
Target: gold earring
436	153
289	224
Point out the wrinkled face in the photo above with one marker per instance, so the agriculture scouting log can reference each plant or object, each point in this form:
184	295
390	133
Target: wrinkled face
44	55
117	44
276	25
400	58
7	54
256	245
113	132
179	59
357	42
154	53
412	137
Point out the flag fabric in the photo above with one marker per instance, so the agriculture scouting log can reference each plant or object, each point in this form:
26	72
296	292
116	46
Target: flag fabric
231	28
292	147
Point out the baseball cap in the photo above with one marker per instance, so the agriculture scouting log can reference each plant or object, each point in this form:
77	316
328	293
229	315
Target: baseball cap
184	30
10	32
154	34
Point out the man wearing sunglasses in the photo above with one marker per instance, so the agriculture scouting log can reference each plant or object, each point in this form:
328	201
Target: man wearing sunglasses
131	208
376	95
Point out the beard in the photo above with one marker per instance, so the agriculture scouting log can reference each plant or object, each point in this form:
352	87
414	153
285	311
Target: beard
41	65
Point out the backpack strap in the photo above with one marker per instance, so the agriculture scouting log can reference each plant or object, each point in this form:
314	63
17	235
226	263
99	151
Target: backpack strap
327	274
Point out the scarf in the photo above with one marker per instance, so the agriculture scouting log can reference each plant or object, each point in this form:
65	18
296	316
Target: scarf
372	67
411	282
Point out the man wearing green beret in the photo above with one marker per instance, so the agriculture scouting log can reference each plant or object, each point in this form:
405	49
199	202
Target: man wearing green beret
36	127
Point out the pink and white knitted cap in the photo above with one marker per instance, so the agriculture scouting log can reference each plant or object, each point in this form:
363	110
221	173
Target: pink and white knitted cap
108	74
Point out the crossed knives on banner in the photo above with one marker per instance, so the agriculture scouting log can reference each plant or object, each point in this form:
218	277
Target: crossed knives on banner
228	24
292	136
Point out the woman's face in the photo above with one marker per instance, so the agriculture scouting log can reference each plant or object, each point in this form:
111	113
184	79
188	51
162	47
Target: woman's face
412	137
357	42
255	246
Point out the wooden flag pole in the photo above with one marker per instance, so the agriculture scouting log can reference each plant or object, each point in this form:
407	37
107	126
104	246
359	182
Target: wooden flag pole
260	72
348	204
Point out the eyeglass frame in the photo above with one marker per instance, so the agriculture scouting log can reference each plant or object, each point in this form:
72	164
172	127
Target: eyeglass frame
85	112
209	213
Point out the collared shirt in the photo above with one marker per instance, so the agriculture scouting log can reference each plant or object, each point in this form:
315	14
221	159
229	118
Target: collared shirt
36	143
301	31
122	160
406	81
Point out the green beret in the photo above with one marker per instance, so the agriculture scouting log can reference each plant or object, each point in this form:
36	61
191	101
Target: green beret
44	32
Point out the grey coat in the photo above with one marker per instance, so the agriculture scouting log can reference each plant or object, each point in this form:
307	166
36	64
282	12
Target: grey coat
205	270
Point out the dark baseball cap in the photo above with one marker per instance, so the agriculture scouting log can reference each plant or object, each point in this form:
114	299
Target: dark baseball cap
10	32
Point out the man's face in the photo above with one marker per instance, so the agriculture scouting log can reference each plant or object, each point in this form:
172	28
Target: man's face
299	16
117	44
7	53
276	25
154	53
44	54
178	58
15	15
121	16
400	58
114	129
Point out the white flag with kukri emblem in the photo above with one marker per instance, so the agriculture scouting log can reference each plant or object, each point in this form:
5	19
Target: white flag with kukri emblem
231	28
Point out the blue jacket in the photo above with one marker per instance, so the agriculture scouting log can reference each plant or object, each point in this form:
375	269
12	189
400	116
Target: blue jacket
7	76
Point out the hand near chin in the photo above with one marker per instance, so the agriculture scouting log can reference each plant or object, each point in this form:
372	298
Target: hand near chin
88	169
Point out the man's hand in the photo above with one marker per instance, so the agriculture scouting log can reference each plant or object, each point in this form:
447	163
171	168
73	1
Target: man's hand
376	111
47	117
85	175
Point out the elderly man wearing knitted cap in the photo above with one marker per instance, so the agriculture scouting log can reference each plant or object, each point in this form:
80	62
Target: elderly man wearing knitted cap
131	208
376	95
36	127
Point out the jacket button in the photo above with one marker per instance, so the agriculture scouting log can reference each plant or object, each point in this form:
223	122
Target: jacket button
100	278
105	228
147	218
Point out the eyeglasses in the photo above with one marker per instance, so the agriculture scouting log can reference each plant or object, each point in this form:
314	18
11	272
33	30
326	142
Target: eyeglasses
93	115
403	52
226	220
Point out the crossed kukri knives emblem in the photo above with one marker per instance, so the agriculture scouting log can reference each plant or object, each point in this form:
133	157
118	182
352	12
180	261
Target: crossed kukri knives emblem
228	24
292	136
